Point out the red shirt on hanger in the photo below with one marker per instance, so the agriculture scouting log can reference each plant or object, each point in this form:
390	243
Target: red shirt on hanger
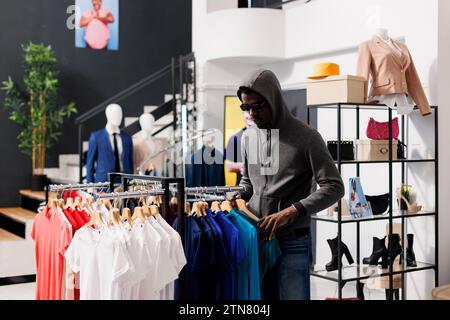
71	219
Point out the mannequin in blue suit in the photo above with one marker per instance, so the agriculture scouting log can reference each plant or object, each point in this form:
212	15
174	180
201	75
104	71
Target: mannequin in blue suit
101	158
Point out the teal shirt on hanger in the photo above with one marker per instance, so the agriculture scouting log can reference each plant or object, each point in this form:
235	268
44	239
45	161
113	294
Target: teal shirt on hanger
248	286
268	250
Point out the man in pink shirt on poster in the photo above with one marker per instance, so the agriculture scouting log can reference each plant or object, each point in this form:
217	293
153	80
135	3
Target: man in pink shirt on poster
96	23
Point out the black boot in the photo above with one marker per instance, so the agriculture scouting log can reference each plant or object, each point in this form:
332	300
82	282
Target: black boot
394	247
360	290
333	264
379	251
410	256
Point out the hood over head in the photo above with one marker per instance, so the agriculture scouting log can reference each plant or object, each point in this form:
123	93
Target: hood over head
266	84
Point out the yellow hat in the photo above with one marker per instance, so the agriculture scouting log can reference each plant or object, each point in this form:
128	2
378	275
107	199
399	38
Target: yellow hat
325	69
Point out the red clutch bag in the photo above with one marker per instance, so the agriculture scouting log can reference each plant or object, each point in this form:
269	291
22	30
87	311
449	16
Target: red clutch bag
380	130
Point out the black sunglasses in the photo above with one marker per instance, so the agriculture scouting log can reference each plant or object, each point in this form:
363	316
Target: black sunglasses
255	106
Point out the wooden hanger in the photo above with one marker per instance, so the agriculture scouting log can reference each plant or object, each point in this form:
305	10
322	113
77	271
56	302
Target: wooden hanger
226	206
69	204
138	213
215	206
187	209
204	206
126	216
51	202
154	210
77	202
114	216
107	204
60	203
243	207
96	219
146	211
195	209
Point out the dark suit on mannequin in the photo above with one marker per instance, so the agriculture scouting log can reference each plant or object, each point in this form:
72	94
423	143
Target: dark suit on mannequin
101	159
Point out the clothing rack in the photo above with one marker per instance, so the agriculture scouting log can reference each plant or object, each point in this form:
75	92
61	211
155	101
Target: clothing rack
128	194
195	190
165	182
77	186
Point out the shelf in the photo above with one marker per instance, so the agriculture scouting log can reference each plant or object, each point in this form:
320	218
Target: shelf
385	161
362	106
360	272
397	214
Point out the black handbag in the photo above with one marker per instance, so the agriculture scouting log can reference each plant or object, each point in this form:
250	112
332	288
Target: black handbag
347	149
379	204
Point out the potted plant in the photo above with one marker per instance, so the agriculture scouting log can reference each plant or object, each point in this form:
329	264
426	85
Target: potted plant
35	109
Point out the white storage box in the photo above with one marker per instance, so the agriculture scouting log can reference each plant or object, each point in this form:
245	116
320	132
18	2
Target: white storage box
334	89
375	150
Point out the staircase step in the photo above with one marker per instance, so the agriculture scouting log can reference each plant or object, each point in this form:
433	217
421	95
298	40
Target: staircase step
18	214
18	221
149	109
36	195
30	200
8	236
130	120
168	97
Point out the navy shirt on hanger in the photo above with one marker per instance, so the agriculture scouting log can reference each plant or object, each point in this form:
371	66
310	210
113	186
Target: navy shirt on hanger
234	251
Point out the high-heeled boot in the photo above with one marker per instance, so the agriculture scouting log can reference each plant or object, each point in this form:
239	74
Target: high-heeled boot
394	247
333	264
379	251
410	256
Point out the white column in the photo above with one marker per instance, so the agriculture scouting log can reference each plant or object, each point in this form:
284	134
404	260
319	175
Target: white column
444	140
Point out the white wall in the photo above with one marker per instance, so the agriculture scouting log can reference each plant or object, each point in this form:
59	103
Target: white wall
328	30
216	5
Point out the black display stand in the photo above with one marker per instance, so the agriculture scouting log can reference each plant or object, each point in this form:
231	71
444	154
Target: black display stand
358	272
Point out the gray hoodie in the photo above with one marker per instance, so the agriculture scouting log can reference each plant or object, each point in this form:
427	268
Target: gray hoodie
303	156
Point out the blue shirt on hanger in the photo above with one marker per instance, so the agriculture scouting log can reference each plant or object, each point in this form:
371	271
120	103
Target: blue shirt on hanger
234	250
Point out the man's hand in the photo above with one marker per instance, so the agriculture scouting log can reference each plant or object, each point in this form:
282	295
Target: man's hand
272	223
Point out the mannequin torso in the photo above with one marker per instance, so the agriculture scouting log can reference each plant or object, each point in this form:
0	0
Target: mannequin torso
145	145
401	101
110	149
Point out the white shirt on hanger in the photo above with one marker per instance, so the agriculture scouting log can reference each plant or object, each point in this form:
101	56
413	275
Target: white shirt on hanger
177	255
164	271
100	258
138	250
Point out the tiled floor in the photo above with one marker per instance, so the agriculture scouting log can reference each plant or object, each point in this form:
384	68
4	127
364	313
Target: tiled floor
320	289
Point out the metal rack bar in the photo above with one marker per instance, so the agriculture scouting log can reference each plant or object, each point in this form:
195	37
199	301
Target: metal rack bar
340	284
436	194
62	187
391	275
128	194
358	224
212	189
404	225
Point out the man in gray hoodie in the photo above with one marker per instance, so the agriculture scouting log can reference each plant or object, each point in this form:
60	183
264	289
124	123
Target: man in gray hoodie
282	156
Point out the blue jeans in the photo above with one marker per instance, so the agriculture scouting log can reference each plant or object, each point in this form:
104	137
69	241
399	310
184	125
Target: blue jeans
290	279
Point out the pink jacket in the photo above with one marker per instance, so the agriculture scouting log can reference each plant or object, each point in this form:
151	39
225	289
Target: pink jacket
390	73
